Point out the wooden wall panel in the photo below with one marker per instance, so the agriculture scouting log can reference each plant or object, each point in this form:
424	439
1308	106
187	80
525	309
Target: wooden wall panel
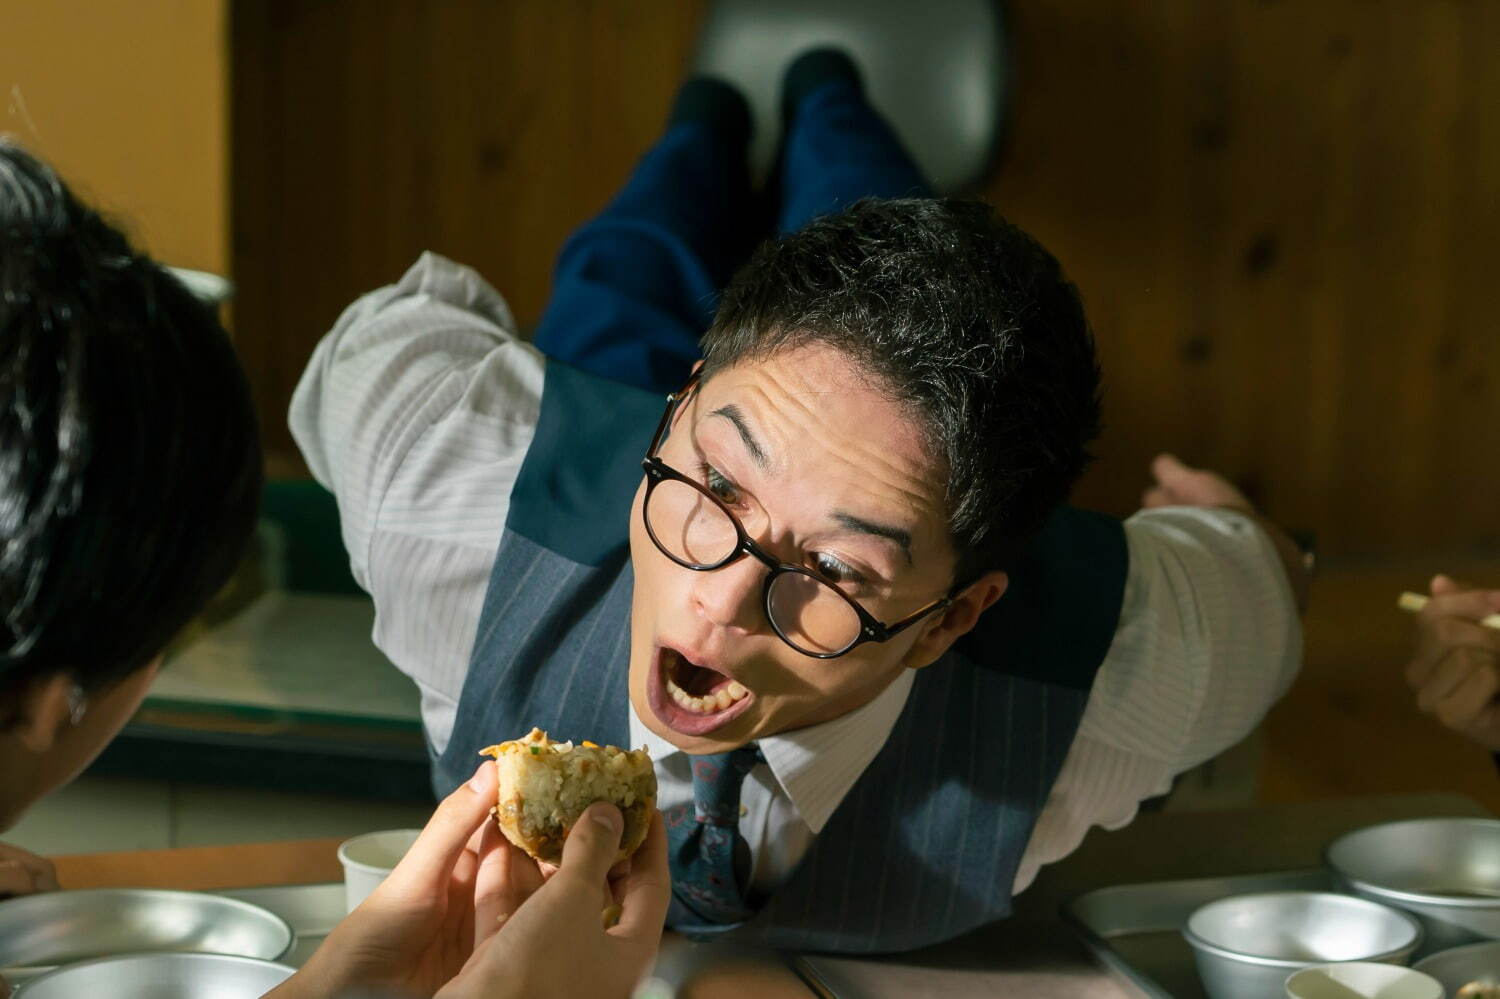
1283	216
367	131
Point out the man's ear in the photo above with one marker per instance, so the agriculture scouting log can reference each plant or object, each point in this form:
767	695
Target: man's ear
948	627
42	709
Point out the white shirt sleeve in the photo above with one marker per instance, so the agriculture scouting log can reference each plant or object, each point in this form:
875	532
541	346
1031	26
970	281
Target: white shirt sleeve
1208	640
417	410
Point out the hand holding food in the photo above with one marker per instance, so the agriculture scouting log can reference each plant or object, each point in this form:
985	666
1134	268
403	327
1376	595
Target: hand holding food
546	939
1455	669
546	785
415	931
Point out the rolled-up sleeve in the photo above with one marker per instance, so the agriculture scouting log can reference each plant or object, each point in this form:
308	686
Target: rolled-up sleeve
417	411
434	355
1208	640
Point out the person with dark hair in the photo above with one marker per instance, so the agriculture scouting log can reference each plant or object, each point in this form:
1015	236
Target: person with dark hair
130	480
884	670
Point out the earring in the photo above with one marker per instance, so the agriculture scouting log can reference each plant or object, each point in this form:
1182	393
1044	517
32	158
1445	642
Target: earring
78	704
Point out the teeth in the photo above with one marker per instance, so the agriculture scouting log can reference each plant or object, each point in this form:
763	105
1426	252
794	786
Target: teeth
710	703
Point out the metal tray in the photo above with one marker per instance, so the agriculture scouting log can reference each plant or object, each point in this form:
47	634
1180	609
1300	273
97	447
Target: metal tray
314	910
1136	930
50	929
311	910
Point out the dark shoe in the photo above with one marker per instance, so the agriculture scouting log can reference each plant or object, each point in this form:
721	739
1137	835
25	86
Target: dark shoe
719	104
814	69
938	72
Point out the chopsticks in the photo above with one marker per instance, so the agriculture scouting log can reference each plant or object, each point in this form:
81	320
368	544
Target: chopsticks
1414	602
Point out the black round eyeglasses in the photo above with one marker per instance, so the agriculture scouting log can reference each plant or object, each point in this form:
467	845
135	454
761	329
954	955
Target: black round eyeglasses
692	527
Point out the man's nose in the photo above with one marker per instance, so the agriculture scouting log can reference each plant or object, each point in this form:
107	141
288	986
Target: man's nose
731	597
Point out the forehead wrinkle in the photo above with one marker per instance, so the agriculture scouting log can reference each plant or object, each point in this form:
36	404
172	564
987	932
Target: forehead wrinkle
878	456
879	464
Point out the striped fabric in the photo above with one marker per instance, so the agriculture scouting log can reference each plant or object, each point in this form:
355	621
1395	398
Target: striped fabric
420	406
924	847
927	842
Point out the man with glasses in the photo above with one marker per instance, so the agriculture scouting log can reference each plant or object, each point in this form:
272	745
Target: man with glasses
692	524
884	672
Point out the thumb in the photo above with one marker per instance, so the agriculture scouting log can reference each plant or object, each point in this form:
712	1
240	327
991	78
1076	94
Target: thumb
1443	585
1168	468
589	851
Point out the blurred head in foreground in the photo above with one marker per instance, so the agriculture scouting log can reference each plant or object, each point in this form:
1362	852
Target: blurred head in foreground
130	475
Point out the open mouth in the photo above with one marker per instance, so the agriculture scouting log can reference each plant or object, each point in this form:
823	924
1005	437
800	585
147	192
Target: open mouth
693	699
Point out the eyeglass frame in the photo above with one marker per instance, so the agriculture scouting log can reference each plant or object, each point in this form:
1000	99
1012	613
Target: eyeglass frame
871	628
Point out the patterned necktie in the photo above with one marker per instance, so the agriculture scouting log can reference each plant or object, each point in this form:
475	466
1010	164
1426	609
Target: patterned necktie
701	837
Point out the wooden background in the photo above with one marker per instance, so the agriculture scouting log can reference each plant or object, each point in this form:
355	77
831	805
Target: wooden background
1283	216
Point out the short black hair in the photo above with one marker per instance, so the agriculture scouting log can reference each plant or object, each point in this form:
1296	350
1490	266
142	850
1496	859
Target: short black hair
959	314
130	465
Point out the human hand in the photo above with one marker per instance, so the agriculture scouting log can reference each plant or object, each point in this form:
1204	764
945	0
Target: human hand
1455	669
1178	484
415	931
544	937
24	873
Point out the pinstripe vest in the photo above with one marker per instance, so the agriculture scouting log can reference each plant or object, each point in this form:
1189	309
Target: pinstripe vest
926	844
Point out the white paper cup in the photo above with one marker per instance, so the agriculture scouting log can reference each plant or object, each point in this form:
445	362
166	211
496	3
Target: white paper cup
1362	980
369	858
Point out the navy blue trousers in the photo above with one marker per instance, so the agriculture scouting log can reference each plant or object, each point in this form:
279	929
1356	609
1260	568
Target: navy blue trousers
636	287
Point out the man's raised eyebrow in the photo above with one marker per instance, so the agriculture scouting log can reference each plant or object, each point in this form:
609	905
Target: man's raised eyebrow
900	537
732	413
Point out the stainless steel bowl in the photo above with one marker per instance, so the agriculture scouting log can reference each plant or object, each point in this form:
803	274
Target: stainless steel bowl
1459	966
1445	871
1248	945
39	932
160	976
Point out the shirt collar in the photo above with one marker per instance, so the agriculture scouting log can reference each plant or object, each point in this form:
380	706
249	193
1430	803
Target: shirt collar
816	766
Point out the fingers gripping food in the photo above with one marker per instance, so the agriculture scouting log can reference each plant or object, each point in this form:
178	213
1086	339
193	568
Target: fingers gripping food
544	785
1483	989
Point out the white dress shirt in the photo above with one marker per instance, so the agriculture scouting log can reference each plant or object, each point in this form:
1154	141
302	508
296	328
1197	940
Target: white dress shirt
417	410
